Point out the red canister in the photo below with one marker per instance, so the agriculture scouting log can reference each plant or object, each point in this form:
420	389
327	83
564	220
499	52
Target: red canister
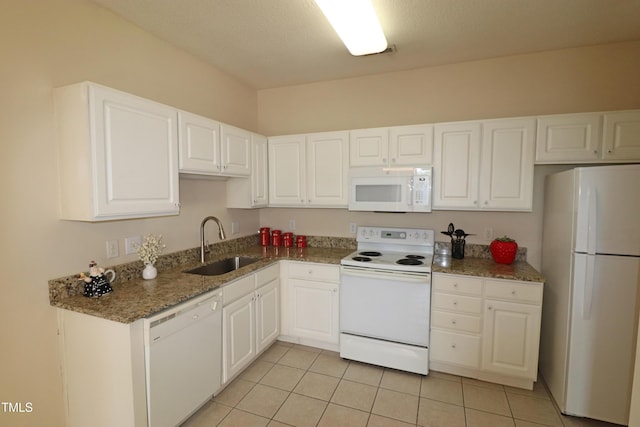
265	238
276	237
287	239
301	241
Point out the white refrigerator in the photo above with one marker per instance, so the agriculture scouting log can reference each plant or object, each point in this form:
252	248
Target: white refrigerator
591	262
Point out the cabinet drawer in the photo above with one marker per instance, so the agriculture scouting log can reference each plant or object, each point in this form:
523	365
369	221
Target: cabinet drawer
267	275
457	303
238	289
455	349
514	291
319	272
455	321
457	284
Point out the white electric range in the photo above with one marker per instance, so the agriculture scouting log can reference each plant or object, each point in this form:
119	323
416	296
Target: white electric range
385	298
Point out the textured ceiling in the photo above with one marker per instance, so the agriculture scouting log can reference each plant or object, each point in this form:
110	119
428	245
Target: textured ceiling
273	43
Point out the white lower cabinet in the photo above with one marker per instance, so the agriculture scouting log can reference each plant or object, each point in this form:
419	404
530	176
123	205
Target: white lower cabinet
487	329
312	301
239	335
250	319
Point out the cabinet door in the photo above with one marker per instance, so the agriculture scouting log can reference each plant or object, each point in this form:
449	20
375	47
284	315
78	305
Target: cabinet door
287	170
239	335
199	141
327	169
569	138
267	314
369	147
622	136
313	311
511	337
235	150
506	176
136	156
259	172
411	145
456	165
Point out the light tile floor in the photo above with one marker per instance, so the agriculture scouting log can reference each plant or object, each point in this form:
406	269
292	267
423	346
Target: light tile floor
293	385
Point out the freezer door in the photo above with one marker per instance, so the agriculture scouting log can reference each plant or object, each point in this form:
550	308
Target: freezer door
602	338
608	207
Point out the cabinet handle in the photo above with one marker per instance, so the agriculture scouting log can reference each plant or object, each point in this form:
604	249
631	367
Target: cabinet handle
490	307
393	160
384	160
335	289
595	151
309	201
513	292
177	204
455	303
301	200
475	202
455	285
310	271
453	346
453	322
609	151
486	202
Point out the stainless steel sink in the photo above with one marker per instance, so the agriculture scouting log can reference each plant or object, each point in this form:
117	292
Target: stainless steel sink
223	266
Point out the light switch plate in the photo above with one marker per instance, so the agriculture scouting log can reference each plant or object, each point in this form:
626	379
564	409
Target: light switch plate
353	227
235	227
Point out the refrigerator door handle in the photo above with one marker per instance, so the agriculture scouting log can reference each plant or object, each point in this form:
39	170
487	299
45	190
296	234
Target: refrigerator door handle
587	302
592	220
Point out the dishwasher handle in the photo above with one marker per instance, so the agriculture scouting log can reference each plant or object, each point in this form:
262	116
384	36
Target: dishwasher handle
182	317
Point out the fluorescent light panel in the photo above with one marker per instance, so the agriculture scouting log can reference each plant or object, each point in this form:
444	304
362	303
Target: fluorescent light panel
356	23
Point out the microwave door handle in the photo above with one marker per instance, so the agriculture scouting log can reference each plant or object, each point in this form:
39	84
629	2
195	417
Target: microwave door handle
412	193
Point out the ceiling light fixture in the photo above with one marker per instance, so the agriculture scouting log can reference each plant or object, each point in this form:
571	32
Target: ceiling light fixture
356	23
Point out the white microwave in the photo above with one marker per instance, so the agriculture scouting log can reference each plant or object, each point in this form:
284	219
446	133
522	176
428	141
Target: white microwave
390	189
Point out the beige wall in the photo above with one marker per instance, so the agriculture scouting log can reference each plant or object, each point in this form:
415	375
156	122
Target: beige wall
596	78
45	44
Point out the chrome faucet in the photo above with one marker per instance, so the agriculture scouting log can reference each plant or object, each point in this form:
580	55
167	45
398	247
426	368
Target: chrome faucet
220	234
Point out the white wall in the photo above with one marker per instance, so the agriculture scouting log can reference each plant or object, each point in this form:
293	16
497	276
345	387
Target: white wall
45	44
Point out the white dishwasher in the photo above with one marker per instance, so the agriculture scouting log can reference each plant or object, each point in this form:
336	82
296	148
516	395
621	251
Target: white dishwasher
183	352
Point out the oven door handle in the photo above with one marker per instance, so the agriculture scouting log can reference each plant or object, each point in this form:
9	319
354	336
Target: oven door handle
378	274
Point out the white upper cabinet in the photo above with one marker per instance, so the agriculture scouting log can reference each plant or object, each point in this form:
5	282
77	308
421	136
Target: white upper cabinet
621	139
608	137
569	138
484	165
235	150
327	169
506	176
309	170
117	153
369	147
287	178
411	145
456	166
254	192
395	146
208	147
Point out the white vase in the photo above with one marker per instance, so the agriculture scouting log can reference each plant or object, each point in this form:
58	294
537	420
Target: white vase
149	272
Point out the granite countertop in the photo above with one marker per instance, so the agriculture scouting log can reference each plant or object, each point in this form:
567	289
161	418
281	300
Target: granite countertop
135	299
486	267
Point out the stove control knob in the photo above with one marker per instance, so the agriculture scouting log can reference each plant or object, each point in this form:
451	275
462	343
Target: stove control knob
403	235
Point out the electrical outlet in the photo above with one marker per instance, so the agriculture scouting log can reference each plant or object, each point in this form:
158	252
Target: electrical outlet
112	249
235	227
488	234
292	224
131	244
353	228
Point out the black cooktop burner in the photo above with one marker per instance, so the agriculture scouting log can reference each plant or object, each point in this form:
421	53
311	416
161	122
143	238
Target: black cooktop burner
409	261
370	253
414	256
361	258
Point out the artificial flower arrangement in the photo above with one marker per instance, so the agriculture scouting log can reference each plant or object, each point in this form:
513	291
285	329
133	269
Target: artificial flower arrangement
150	249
